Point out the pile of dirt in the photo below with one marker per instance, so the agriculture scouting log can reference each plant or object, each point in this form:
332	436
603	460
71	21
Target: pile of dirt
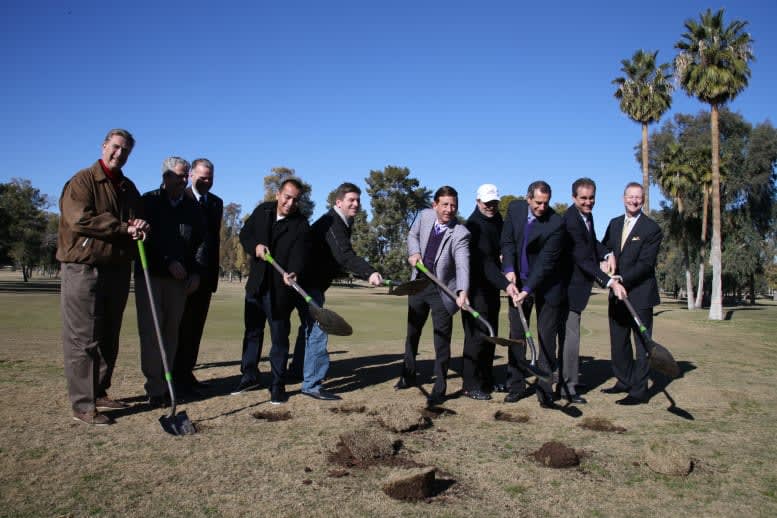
410	484
349	408
600	424
667	458
368	446
511	417
401	418
554	454
272	415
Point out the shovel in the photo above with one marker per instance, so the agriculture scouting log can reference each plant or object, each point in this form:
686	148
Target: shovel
329	321
400	288
531	367
659	356
172	424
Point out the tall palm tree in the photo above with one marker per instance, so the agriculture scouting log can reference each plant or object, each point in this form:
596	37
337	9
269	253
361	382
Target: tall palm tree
713	65
645	93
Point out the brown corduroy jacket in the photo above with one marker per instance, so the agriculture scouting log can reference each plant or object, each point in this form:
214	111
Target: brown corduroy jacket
93	219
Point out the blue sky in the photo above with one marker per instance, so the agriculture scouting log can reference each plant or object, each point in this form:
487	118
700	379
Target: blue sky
462	93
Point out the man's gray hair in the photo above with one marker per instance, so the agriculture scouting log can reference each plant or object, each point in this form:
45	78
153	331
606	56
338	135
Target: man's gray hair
173	161
205	162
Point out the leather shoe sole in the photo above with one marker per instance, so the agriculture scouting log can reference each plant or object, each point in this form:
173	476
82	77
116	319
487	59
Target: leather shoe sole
614	390
478	395
322	395
630	401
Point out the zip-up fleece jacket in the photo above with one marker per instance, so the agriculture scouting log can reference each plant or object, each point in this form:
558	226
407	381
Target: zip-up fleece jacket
94	218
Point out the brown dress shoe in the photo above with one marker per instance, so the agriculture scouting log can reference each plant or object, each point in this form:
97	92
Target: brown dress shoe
93	417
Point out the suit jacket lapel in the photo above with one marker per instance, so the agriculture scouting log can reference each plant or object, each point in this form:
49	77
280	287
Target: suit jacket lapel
445	238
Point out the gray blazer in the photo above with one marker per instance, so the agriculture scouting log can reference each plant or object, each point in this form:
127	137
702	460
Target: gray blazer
451	265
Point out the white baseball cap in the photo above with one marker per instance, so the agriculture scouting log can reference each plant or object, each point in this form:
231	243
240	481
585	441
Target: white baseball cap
488	192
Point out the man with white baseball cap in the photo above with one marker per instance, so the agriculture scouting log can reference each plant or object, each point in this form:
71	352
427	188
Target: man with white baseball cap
486	281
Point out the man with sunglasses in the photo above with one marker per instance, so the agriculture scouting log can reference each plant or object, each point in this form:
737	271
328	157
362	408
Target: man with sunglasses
176	259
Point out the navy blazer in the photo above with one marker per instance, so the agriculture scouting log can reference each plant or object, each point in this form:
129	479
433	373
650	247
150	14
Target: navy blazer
213	212
636	263
582	253
289	244
543	251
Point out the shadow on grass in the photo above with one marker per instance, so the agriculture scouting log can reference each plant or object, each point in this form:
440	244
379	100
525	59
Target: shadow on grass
44	286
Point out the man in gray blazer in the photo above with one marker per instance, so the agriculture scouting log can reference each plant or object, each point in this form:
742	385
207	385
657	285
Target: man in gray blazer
442	244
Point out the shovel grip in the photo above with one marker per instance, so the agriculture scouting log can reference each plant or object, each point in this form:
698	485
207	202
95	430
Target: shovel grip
142	253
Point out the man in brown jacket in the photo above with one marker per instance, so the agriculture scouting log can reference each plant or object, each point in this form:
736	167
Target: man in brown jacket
99	221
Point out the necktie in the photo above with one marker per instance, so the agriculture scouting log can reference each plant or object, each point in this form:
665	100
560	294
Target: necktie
524	256
588	225
626	228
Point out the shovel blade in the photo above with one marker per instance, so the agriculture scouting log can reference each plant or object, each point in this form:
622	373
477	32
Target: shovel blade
507	342
410	287
662	360
178	424
330	321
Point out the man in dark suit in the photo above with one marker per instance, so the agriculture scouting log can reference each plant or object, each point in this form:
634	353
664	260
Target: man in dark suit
532	239
582	255
441	243
198	302
331	241
274	227
634	239
486	281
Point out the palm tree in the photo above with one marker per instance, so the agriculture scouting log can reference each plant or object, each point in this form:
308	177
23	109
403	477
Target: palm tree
676	177
713	65
645	93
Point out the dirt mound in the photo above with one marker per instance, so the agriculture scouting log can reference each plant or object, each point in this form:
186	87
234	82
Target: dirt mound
349	408
600	424
434	412
401	418
272	415
511	417
410	484
667	458
369	446
554	454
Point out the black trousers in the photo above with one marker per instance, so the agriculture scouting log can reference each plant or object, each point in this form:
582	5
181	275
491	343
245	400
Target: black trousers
629	362
257	312
195	313
418	308
478	358
548	326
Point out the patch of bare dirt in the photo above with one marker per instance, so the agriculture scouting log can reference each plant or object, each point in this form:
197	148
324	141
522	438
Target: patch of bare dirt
668	458
511	417
554	454
600	424
272	415
410	484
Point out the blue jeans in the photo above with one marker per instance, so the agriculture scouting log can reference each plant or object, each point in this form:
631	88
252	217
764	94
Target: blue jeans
316	356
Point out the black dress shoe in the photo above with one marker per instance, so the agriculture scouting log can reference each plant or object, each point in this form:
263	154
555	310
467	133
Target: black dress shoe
615	389
245	386
278	395
404	382
545	399
477	394
576	399
631	401
514	397
500	387
323	395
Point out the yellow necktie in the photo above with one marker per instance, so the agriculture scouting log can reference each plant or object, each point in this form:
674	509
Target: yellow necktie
625	233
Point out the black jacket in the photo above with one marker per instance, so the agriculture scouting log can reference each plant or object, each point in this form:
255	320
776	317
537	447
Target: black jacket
212	212
582	254
289	244
177	234
636	262
485	267
332	252
543	251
